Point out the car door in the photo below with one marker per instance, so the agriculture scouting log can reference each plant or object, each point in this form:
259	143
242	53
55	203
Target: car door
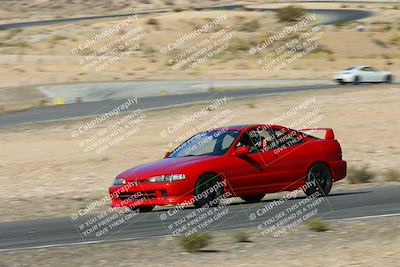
248	173
376	75
367	74
290	156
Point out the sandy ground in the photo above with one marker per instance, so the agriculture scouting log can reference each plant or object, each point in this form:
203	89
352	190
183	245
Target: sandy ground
372	242
44	171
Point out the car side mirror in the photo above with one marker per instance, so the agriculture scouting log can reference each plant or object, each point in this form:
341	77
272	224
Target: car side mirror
241	151
167	154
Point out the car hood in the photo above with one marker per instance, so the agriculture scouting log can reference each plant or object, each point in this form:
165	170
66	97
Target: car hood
344	72
164	166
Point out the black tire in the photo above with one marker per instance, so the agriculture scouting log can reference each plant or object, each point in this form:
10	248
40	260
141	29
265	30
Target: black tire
320	175
389	79
340	81
142	208
253	199
204	184
356	80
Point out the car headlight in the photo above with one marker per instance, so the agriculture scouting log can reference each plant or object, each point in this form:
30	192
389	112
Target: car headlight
166	178
119	181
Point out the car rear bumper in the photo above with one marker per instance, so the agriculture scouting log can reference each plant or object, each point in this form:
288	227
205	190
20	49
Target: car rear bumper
143	194
339	169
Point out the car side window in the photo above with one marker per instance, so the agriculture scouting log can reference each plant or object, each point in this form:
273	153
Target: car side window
286	137
227	142
255	140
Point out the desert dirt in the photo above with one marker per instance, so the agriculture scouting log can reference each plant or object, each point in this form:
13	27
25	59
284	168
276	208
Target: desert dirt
44	171
369	242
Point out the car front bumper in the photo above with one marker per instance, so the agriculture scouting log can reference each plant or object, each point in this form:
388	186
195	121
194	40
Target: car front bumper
146	194
345	78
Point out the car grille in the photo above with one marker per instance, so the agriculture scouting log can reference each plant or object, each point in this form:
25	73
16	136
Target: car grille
138	195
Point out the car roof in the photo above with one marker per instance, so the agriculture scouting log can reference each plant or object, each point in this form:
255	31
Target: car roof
237	127
357	67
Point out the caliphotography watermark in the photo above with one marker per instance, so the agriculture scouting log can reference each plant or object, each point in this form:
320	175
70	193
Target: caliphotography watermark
99	220
279	217
197	47
110	45
292	43
214	210
211	116
110	128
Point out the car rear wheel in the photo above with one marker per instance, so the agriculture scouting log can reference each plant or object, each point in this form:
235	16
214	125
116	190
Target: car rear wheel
253	198
208	191
142	208
319	179
389	79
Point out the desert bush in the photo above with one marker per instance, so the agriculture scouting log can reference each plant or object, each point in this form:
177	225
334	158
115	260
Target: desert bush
340	24
169	2
152	21
386	28
323	49
241	237
360	174
395	40
148	49
59	37
250	26
380	43
196	241
331	58
238	44
392	175
11	33
316	225
290	13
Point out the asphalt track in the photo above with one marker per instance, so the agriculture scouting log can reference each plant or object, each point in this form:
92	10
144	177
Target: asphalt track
68	111
53	232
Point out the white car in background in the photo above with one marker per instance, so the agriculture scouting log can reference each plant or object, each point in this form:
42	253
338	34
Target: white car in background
362	74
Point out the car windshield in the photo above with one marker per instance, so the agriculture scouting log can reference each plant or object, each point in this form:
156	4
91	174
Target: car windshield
212	143
350	68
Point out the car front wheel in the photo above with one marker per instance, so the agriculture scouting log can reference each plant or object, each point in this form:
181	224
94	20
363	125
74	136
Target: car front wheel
208	191
319	179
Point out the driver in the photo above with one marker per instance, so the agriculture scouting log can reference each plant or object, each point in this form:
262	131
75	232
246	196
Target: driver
253	140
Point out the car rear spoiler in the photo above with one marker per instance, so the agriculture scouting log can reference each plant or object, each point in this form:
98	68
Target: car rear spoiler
328	132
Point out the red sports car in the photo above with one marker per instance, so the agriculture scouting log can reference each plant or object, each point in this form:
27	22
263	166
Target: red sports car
244	161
